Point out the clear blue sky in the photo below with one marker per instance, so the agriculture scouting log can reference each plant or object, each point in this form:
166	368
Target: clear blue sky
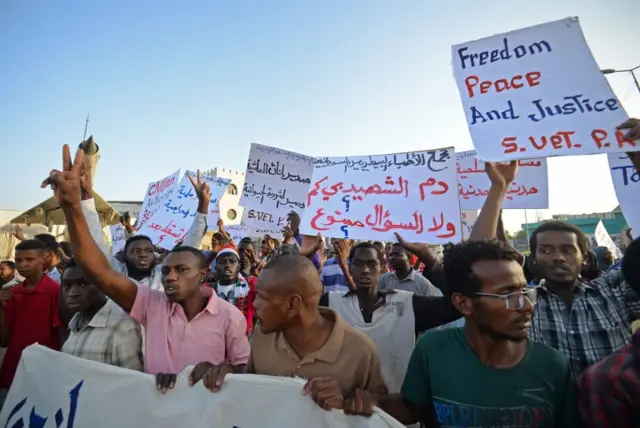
191	84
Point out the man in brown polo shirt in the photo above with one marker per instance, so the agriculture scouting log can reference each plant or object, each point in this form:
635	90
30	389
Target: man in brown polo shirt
297	338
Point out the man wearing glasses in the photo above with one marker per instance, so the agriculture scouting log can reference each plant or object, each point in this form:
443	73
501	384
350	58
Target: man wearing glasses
486	373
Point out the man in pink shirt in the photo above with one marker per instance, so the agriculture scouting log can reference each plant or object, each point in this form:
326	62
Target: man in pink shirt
183	326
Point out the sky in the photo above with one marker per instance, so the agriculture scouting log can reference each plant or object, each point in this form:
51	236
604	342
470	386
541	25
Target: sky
191	84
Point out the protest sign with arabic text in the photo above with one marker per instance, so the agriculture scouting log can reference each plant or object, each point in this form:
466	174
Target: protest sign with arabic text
537	92
371	197
73	396
118	238
276	180
173	220
529	190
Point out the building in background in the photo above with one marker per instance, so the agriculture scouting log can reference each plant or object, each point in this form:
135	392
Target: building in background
230	209
613	221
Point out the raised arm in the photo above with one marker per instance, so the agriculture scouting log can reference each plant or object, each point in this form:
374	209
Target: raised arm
67	190
501	176
199	226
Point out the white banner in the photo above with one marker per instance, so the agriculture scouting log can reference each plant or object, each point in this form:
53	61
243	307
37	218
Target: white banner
371	197
157	192
537	92
82	394
603	239
626	182
529	190
276	180
118	238
468	219
171	223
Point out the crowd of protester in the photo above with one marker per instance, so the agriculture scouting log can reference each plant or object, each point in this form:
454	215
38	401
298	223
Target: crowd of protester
481	335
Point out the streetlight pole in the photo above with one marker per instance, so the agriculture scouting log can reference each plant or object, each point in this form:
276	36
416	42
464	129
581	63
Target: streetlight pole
630	71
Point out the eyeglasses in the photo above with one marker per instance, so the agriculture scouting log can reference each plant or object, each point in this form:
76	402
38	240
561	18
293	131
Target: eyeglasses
515	300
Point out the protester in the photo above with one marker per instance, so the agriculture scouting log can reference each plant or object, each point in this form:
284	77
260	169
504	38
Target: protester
250	263
610	389
140	261
29	311
335	272
267	249
487	373
604	257
232	287
391	318
100	330
590	269
183	326
585	321
296	338
8	274
404	277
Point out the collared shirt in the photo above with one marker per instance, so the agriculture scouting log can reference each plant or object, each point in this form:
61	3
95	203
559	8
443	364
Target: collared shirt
54	274
597	325
32	316
332	276
14	281
610	390
217	334
348	356
414	282
429	311
111	337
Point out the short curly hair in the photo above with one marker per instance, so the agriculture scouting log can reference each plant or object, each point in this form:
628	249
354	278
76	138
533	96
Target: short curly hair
459	260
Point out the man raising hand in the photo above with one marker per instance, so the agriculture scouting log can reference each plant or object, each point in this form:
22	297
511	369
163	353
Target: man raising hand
183	327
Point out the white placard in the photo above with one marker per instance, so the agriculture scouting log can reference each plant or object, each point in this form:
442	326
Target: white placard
263	220
537	92
276	180
468	219
603	239
118	238
529	190
157	192
239	231
371	197
73	396
171	223
626	182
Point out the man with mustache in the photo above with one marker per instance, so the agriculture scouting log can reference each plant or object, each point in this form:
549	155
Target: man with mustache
486	373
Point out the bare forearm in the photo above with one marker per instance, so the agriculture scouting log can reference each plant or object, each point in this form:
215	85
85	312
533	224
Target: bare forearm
486	226
397	407
345	271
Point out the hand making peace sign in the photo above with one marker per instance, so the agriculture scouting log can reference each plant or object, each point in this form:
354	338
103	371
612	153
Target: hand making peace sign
202	188
66	183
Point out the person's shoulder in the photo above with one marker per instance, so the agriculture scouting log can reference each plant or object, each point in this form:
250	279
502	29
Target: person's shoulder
386	275
439	339
552	358
600	375
228	310
124	324
50	284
